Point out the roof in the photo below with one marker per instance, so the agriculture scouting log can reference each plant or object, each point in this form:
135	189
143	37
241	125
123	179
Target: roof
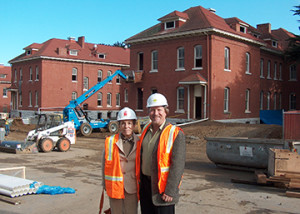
58	49
201	20
195	78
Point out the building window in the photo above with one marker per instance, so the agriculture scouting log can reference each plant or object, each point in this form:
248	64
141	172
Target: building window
74	95
85	83
73	52
280	71
248	63
108	75
261	100
180	58
226	99
99	99
292	101
36	99
125	95
242	29
268	100
30	74
118	79
141	61
280	101
74	74
5	92
101	56
293	72
99	78
118	99
154	61
275	71
154	90
16	76
21	74
198	56
169	25
20	99
261	68
275	101
269	70
37	74
180	99
30	99
140	98
247	101
28	52
108	99
227	58
274	44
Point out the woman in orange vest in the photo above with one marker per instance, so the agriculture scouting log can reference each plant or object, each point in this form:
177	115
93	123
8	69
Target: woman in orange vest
118	166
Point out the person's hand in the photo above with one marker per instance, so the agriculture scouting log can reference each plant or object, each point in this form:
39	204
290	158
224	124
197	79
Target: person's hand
166	198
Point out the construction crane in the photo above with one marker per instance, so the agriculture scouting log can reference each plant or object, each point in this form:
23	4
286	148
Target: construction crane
82	122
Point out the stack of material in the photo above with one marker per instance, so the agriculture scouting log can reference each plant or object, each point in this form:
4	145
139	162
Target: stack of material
14	186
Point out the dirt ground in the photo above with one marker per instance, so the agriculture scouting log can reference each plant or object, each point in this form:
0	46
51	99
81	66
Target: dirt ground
205	188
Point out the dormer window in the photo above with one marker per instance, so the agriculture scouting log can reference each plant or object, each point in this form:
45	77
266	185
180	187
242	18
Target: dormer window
274	44
242	29
169	25
28	52
101	56
73	52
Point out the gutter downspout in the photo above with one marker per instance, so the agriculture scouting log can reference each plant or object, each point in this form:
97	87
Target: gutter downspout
207	89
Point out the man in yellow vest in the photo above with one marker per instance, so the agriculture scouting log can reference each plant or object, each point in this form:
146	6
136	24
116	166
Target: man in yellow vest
118	166
160	160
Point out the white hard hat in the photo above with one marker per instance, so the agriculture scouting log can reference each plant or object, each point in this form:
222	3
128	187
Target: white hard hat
156	100
126	114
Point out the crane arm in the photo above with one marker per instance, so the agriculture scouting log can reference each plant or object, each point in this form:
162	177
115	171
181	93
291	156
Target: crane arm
94	89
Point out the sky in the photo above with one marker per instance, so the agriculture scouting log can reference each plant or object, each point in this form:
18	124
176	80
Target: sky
23	22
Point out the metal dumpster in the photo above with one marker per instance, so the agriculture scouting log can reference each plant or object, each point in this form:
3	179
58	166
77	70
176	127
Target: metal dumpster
244	152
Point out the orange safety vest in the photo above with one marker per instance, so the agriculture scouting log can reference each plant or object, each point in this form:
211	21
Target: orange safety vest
164	152
113	176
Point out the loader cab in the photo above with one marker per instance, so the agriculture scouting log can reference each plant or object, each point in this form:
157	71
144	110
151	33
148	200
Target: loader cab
47	121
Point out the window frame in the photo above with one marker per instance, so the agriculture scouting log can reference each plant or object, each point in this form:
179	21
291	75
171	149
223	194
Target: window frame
198	58
226	99
292	101
248	61
180	59
108	100
29	99
37	73
262	68
30	74
293	72
269	70
99	99
154	61
74	95
118	100
85	83
36	99
268	100
74	74
261	100
227	59
125	95
99	75
247	101
180	100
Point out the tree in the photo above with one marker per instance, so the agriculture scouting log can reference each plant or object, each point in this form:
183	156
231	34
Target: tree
120	44
293	51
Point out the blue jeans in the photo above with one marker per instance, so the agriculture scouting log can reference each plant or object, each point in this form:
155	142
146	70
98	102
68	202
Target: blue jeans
6	130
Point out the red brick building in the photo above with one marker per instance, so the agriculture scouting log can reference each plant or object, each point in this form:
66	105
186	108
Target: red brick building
211	67
5	81
48	75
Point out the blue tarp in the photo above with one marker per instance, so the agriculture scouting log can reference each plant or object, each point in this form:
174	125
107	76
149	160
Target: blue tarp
271	117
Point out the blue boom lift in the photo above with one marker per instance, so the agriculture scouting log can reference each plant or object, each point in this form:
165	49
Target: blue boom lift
84	124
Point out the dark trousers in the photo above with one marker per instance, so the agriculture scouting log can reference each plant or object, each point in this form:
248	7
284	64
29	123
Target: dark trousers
147	206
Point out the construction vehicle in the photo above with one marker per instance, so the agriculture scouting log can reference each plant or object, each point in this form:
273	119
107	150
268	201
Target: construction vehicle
82	122
51	132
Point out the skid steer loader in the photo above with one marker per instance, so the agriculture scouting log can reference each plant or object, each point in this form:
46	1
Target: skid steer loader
51	132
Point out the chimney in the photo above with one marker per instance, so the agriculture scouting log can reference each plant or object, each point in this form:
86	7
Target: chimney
265	28
81	41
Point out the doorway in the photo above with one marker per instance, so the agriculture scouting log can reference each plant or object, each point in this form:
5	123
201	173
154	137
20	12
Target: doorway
198	107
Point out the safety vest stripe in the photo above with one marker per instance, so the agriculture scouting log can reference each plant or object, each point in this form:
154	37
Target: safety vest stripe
165	169
170	139
113	178
110	147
